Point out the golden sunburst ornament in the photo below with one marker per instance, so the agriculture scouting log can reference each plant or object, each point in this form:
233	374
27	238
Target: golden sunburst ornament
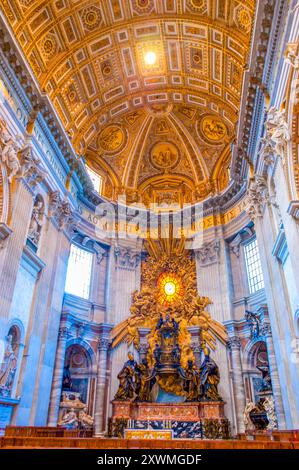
169	288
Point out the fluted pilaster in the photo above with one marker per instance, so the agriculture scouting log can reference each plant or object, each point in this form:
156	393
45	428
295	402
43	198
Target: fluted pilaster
266	333
58	376
99	417
234	346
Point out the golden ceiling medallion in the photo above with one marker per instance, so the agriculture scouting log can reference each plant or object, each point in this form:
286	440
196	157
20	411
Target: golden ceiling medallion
112	139
213	129
164	155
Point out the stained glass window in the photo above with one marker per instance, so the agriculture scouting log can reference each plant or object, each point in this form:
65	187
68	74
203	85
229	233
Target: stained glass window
254	267
79	272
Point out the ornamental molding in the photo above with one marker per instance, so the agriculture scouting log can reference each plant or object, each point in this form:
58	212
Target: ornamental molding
127	258
256	198
265	330
100	252
209	253
64	332
291	56
235	244
276	137
31	170
104	344
234	343
61	212
293	210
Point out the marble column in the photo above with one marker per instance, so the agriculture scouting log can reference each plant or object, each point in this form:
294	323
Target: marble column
234	345
266	333
22	201
124	274
213	281
58	377
101	389
260	209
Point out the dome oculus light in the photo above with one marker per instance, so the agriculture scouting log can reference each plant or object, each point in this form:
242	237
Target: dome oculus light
150	58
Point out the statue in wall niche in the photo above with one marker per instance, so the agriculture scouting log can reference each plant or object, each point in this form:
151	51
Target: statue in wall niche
209	378
254	324
85	420
249	426
8	368
67	380
35	226
277	129
192	382
9	151
266	378
69	420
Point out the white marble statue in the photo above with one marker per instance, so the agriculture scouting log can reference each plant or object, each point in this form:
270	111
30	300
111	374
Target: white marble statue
249	426
85	419
291	57
69	420
34	230
277	130
9	151
269	406
8	368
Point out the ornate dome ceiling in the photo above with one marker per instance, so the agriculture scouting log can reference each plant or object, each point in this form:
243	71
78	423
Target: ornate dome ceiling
148	90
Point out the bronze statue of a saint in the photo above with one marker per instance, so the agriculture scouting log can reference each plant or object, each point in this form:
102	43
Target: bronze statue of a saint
192	382
209	378
126	380
144	381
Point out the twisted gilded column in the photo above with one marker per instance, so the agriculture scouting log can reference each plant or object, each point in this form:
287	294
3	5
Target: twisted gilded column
58	377
99	416
267	334
234	345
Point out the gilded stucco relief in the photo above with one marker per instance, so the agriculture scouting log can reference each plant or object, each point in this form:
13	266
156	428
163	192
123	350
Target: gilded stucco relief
91	59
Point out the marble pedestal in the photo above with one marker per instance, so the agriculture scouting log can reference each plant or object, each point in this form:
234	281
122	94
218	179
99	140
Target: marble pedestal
203	420
163	411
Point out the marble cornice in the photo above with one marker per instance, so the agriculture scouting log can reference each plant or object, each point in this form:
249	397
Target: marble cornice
259	81
24	85
293	210
34	262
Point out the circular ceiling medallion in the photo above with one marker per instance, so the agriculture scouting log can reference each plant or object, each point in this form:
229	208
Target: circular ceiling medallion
112	139
213	129
164	155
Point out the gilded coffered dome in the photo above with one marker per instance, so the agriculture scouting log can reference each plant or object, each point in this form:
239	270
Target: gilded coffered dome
148	90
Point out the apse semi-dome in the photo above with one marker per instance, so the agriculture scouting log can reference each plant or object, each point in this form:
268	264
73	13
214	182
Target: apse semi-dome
148	91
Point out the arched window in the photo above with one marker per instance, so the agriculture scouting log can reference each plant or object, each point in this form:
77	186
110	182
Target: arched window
97	180
79	272
253	267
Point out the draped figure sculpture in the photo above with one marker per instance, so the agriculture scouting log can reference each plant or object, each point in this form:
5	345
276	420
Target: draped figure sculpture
126	380
209	378
8	368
